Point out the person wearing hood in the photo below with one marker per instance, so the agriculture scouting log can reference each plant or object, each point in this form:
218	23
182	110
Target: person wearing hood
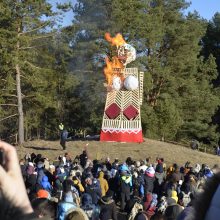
65	205
45	184
108	210
172	210
78	185
149	179
40	174
91	210
30	169
103	183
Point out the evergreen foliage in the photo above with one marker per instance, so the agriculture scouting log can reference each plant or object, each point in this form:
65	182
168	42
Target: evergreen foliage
61	70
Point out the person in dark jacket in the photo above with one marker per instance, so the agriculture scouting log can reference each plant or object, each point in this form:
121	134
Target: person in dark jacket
124	188
172	210
40	174
176	176
83	158
63	138
108	210
91	210
93	189
149	179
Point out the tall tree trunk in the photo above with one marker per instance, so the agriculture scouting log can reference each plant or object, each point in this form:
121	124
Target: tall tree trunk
20	106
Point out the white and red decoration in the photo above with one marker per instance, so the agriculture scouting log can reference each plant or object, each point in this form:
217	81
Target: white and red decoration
122	118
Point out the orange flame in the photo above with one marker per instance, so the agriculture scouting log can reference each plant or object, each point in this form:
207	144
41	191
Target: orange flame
109	69
111	66
118	40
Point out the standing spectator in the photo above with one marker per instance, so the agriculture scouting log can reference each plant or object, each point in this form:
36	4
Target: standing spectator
83	159
124	188
45	184
108	208
65	205
173	209
149	179
103	183
63	138
93	189
91	210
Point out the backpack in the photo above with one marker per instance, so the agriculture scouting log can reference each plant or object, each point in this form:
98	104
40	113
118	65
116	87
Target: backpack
135	210
186	198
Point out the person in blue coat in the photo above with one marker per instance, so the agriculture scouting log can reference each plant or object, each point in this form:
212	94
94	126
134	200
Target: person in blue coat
45	184
65	205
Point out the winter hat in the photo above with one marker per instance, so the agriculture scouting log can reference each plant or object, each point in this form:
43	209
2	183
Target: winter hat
170	201
43	194
123	167
138	163
150	172
30	164
109	194
101	174
86	199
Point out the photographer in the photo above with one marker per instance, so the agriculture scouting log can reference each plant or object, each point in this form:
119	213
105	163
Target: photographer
14	202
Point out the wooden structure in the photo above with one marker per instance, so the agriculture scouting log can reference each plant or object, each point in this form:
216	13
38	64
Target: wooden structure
122	115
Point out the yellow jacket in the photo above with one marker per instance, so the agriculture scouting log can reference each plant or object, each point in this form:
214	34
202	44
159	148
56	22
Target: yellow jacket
78	183
103	183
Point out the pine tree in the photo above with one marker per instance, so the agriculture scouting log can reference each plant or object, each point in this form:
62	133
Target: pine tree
23	29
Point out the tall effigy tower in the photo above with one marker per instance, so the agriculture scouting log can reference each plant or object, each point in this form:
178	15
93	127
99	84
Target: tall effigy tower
122	114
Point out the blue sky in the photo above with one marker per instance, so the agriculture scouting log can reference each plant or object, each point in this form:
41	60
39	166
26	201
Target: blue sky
206	9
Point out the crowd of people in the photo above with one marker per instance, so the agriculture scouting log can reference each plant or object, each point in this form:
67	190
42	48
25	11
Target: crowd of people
82	188
112	190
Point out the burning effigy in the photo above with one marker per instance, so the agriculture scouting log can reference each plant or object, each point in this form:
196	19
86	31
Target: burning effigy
115	65
121	119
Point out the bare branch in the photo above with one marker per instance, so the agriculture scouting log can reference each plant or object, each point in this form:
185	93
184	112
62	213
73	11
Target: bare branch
31	47
10	116
32	65
9	95
8	105
35	29
40	37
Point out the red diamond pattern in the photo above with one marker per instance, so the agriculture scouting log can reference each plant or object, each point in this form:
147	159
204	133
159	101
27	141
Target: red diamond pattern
112	111
130	112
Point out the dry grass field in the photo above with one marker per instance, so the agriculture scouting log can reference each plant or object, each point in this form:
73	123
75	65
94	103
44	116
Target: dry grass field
150	148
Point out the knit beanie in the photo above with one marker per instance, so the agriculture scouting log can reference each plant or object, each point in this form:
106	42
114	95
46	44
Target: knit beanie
43	194
150	172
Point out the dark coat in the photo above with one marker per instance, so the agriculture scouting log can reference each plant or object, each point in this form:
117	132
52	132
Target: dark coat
148	184
172	210
108	209
123	186
91	210
94	191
